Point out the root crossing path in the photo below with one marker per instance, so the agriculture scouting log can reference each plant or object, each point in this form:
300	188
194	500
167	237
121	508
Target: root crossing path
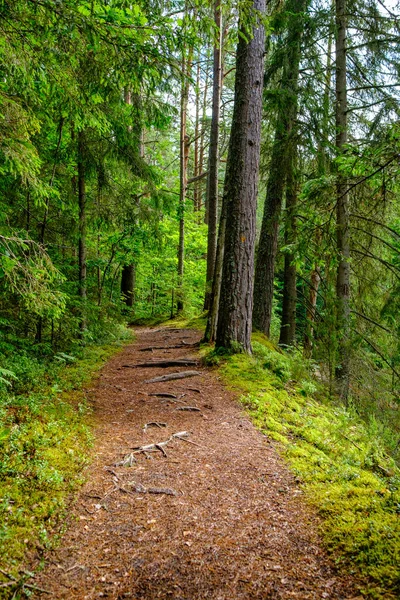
184	499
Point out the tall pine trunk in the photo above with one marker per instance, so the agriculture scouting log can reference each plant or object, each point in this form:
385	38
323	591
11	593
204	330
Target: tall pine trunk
213	159
212	320
241	185
82	229
184	146
323	169
342	209
268	244
128	272
288	321
196	169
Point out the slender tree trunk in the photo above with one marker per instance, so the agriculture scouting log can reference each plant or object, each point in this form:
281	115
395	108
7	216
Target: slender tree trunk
288	322
241	185
196	170
28	209
128	278
184	156
323	168
212	320
213	162
203	131
53	173
342	209
315	280
128	272
268	244
82	229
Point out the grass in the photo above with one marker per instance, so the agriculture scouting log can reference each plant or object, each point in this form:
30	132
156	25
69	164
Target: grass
45	440
345	471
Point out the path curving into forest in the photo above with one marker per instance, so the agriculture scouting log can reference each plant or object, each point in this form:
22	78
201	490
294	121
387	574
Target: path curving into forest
210	515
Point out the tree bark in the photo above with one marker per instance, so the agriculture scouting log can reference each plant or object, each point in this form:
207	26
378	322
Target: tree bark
323	168
315	280
268	243
212	320
288	322
183	156
128	278
82	229
128	273
241	185
342	209
196	169
213	159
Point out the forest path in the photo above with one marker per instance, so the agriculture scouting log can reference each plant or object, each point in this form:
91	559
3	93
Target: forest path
237	527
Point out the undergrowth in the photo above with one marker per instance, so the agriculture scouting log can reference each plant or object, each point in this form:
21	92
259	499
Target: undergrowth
340	459
44	442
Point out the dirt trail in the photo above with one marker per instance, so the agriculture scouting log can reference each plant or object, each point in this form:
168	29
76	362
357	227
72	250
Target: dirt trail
237	527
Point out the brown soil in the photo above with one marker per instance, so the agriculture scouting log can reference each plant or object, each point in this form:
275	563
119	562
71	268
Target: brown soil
237	527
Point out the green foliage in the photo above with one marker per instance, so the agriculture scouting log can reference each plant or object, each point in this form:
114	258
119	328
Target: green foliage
44	443
341	461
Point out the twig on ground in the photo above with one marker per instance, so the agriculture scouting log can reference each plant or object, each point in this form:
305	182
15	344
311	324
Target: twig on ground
181	435
189	408
21	583
154	424
128	461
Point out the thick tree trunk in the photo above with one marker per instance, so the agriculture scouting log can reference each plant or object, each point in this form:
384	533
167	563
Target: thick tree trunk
241	184
82	229
288	322
213	162
342	209
268	244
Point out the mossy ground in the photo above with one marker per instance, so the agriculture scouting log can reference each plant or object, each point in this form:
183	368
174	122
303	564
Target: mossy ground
340	460
45	438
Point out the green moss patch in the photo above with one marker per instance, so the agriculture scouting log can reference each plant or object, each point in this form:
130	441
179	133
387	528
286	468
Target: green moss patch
346	473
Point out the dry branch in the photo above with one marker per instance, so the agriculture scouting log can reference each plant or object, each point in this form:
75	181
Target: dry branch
153	424
181	435
189	408
172	376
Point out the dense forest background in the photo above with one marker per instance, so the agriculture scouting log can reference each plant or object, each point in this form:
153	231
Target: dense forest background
169	159
115	129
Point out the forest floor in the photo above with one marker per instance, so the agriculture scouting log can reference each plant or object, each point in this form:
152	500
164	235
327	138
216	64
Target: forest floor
214	514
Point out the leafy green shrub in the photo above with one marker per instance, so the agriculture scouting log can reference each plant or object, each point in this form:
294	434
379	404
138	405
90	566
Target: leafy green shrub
44	442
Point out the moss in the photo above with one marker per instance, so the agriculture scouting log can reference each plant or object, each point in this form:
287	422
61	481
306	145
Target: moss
346	474
45	444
